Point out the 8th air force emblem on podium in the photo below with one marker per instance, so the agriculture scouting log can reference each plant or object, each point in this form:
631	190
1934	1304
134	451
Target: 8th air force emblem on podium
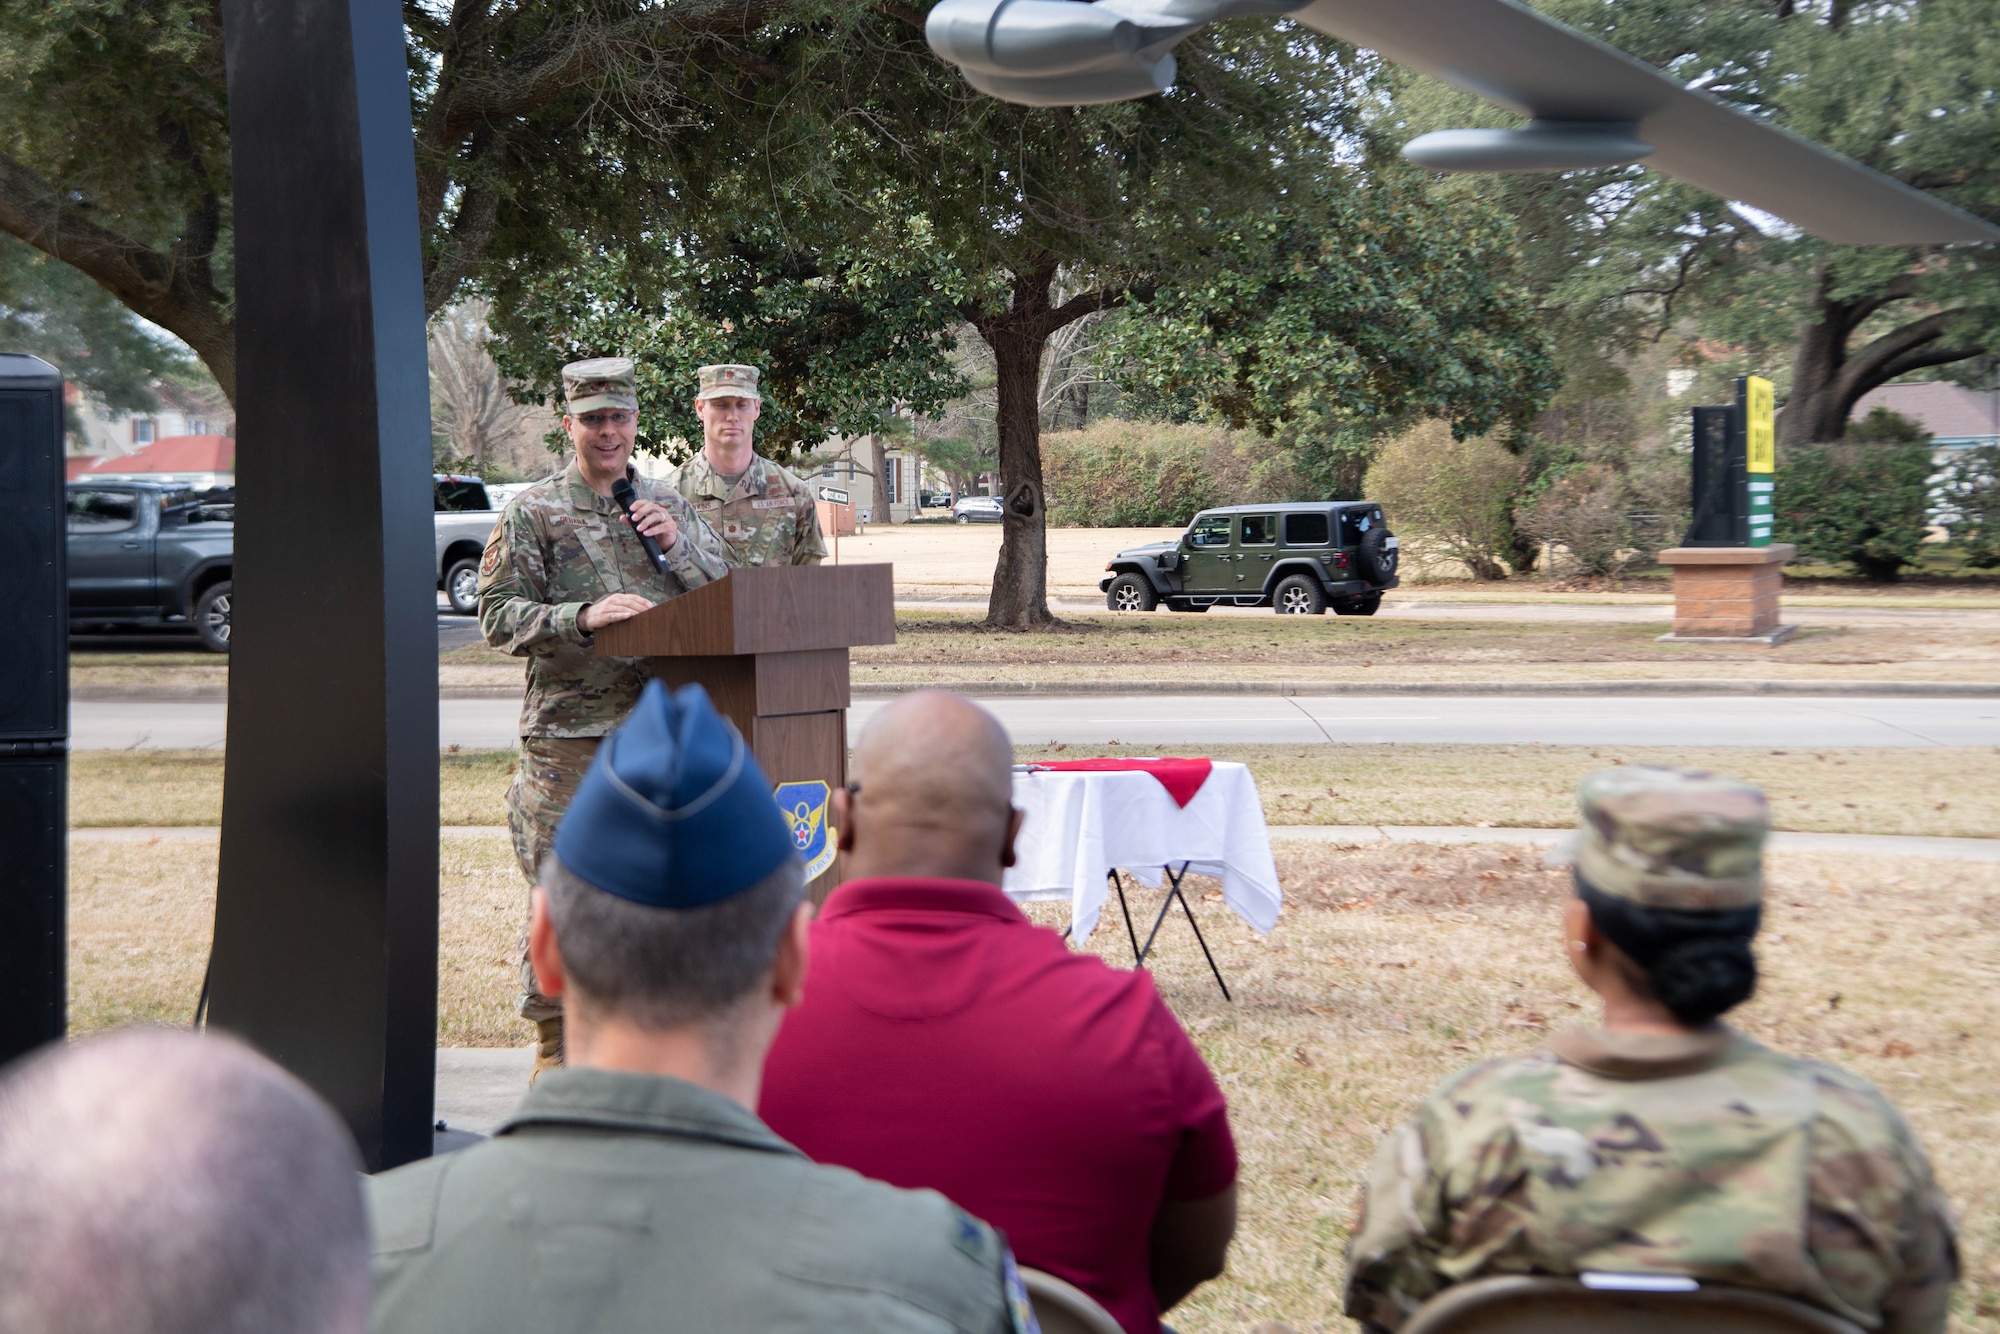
804	807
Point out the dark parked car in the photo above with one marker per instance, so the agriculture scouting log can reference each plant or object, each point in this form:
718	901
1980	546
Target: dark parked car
144	554
1298	559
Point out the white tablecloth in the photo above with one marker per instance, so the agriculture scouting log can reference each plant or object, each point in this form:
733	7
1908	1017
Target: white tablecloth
1081	824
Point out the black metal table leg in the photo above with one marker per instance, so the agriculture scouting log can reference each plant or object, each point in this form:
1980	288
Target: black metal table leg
1138	955
1174	893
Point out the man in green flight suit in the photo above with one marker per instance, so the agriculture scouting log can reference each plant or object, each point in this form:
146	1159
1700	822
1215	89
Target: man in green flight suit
766	515
562	562
636	1189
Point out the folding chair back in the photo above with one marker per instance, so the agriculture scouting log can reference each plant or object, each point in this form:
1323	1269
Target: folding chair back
1518	1304
1064	1308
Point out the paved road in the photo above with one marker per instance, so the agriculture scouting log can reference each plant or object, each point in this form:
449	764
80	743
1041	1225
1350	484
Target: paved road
1164	721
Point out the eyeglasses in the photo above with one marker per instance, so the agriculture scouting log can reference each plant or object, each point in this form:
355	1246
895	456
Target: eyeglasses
613	418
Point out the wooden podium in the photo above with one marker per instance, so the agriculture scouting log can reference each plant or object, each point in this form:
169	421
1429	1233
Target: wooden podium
769	644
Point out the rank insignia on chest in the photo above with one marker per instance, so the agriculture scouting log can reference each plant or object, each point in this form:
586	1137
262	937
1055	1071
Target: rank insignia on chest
804	809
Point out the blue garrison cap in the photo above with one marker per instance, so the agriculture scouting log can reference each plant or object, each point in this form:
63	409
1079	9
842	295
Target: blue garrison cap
674	812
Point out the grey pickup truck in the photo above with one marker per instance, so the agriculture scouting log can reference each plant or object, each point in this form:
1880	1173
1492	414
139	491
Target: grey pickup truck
149	554
465	518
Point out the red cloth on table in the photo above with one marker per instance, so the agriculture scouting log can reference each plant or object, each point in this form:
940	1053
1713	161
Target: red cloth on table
1181	778
946	1041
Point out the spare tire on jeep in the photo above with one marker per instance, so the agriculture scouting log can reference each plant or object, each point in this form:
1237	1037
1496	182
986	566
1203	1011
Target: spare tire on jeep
1378	556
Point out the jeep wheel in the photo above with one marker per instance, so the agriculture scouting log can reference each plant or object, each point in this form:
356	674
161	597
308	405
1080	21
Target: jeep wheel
1378	558
461	586
1358	606
1298	596
211	617
1128	592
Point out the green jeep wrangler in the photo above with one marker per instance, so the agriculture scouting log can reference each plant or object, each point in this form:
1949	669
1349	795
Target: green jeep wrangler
1297	559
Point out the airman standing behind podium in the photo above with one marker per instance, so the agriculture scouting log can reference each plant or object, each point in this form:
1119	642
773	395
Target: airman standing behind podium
767	515
563	562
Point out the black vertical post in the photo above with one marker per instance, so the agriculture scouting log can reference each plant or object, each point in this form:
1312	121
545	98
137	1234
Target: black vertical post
34	707
326	916
1718	480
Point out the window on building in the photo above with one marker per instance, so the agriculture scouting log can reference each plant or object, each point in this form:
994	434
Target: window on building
142	430
892	476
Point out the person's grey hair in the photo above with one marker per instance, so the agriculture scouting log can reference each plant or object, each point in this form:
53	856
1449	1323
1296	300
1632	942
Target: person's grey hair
664	968
160	1181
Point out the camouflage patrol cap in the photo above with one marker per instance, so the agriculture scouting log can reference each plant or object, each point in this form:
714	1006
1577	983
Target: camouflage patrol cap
1672	838
601	382
729	381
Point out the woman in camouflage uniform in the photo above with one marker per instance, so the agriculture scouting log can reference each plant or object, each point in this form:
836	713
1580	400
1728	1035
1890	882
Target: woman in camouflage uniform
1662	1142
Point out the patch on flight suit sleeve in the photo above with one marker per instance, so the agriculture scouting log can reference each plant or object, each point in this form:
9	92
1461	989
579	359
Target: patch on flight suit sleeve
1020	1310
971	1238
489	560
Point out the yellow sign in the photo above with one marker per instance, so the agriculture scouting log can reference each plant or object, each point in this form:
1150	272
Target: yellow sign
1759	426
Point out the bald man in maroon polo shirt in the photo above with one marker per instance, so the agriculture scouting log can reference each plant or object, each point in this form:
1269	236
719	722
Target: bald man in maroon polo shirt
946	1041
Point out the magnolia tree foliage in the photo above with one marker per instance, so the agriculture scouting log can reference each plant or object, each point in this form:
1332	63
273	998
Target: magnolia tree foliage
1356	296
843	336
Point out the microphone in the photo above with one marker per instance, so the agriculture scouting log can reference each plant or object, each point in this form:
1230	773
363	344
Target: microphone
622	492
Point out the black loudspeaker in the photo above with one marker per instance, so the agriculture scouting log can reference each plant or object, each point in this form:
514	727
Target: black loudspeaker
1721	512
34	705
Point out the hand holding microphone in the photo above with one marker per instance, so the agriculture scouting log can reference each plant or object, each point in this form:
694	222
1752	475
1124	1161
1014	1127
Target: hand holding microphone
650	522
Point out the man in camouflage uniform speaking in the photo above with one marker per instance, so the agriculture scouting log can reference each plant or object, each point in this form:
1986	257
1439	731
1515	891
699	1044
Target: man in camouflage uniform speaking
766	514
562	562
1663	1142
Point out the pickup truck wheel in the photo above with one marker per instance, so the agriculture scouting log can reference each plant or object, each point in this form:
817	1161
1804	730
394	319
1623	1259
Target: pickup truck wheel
1363	606
211	617
1298	596
461	586
1128	592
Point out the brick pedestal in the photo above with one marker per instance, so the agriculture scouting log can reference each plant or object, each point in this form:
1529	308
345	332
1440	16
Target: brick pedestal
1728	592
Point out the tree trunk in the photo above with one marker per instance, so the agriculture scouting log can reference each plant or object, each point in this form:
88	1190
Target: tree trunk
1814	410
1829	377
878	459
1020	580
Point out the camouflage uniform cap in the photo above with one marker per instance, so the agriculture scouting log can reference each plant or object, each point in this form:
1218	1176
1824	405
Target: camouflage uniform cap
601	382
729	381
1671	838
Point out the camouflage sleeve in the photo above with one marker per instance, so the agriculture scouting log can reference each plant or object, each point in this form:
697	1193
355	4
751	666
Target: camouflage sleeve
1880	1229
810	549
1390	1254
515	613
698	555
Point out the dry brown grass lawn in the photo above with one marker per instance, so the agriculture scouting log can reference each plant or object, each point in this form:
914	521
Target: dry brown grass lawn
1354	652
1390	968
1860	790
